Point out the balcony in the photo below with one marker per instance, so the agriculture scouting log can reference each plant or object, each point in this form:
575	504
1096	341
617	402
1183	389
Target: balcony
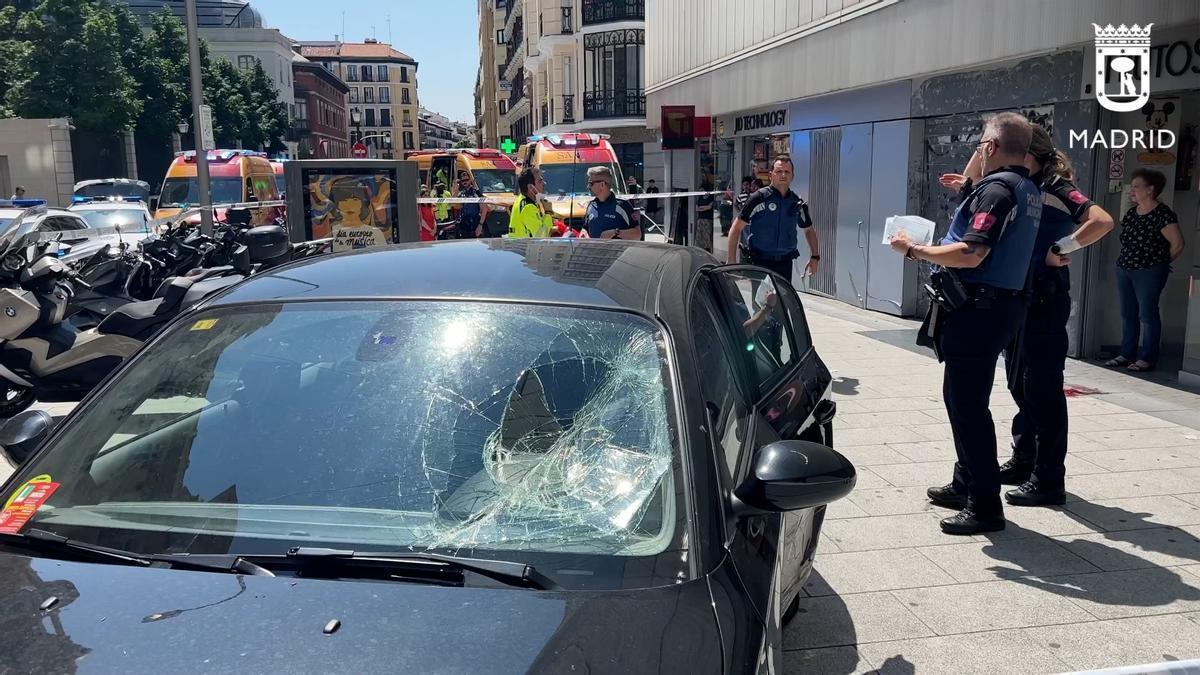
606	11
568	115
614	103
515	39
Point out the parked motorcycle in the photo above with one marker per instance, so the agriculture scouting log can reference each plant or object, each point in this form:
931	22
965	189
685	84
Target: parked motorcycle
44	357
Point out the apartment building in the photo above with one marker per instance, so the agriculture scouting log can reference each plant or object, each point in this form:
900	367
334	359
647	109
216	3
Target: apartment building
382	101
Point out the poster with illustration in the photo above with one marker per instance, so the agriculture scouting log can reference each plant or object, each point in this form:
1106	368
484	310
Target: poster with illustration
336	199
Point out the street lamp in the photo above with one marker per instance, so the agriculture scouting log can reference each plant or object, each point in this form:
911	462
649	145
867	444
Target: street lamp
356	121
183	127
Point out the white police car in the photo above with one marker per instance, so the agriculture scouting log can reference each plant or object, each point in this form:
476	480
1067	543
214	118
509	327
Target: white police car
26	221
113	220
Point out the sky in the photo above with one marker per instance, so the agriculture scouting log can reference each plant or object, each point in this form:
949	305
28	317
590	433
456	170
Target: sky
442	35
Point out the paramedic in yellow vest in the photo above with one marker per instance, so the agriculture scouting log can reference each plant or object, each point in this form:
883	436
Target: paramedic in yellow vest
530	216
441	211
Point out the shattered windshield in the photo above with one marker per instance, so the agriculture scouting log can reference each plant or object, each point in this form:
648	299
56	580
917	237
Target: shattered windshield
379	425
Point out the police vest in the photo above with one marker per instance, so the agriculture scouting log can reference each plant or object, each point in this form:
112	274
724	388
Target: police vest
771	229
1009	262
1055	225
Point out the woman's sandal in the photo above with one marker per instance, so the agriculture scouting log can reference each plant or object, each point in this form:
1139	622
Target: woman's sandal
1140	367
1116	362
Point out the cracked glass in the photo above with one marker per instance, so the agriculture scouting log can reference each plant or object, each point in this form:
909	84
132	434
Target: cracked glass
380	425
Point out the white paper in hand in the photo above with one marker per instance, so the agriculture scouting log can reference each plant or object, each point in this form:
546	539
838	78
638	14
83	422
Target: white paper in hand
918	230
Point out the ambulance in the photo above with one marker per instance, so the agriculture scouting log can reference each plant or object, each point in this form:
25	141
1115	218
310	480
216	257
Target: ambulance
235	176
494	173
564	160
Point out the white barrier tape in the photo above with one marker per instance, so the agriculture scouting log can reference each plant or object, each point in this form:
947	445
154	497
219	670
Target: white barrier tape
563	198
183	215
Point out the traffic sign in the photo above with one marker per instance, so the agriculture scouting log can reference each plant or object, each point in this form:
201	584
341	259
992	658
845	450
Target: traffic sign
360	151
508	146
206	128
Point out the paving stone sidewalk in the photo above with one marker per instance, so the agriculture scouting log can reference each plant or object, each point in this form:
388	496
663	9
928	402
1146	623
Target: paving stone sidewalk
1112	578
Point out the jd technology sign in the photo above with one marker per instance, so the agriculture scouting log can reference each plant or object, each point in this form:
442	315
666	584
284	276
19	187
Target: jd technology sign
771	120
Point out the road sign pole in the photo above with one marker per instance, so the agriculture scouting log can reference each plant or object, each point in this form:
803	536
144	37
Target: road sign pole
205	197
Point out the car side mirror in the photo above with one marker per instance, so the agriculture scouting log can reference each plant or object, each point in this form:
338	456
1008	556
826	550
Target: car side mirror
794	475
153	204
23	433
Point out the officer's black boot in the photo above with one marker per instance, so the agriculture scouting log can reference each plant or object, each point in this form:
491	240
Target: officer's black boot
1014	471
1032	493
947	496
969	521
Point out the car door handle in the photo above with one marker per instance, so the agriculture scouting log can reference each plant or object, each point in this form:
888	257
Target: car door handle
861	244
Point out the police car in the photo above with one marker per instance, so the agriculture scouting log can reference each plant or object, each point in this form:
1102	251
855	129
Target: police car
25	221
113	220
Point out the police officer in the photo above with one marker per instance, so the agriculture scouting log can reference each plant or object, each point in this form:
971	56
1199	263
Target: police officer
608	216
470	216
765	231
985	262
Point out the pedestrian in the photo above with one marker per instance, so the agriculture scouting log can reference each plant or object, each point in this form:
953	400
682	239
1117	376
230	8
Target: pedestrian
725	209
608	216
983	267
652	205
19	193
530	215
1150	241
765	230
1036	361
679	231
631	186
470	216
705	209
739	202
442	210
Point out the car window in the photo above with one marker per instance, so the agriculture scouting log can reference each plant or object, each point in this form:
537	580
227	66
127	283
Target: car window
453	426
762	326
61	224
727	414
801	336
130	220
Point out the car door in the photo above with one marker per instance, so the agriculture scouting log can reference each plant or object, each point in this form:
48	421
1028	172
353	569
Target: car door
749	611
789	384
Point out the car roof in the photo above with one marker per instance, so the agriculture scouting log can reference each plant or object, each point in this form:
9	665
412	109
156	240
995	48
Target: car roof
108	206
605	274
11	213
111	181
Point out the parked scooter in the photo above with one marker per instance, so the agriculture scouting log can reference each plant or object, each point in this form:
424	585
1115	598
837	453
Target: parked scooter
43	357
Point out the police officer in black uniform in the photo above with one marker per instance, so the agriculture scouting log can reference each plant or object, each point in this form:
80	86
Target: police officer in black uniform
765	231
984	263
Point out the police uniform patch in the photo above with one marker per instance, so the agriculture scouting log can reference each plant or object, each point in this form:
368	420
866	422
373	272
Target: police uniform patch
771	206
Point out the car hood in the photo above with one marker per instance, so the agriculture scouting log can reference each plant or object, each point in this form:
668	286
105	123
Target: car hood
107	618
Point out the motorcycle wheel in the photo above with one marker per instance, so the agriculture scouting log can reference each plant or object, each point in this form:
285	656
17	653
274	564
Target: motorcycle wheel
14	399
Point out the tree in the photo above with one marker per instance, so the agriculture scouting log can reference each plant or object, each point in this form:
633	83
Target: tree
266	111
464	143
71	68
227	93
12	55
163	77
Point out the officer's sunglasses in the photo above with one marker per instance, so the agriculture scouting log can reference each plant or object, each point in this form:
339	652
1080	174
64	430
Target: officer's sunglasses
984	143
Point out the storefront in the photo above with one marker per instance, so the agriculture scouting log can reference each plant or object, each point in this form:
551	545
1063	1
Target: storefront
1174	106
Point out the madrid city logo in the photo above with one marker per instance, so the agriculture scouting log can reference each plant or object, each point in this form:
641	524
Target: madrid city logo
1123	63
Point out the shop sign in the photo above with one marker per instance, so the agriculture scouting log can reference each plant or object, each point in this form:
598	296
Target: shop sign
761	122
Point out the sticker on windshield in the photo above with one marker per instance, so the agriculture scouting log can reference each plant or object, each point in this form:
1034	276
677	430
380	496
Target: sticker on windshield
41	478
23	505
205	324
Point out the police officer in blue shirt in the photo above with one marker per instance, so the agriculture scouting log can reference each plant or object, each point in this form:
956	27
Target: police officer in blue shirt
984	263
765	230
608	216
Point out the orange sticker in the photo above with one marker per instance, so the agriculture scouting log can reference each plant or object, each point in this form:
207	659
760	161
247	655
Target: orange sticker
23	505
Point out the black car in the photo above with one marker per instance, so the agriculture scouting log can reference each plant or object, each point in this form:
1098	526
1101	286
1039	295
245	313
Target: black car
482	456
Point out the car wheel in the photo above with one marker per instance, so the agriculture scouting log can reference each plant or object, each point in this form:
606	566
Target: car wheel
14	399
792	610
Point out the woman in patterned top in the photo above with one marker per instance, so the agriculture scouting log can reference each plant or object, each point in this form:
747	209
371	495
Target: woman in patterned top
1150	241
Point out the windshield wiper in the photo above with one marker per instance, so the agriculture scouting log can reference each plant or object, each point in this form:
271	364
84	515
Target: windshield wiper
510	573
42	540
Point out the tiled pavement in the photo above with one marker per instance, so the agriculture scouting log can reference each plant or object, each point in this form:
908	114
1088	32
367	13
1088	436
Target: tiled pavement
1112	578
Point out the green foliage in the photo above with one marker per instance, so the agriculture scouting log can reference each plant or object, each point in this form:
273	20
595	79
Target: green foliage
93	62
71	66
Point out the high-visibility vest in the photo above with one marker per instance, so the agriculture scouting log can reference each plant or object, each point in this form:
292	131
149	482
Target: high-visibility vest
527	220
